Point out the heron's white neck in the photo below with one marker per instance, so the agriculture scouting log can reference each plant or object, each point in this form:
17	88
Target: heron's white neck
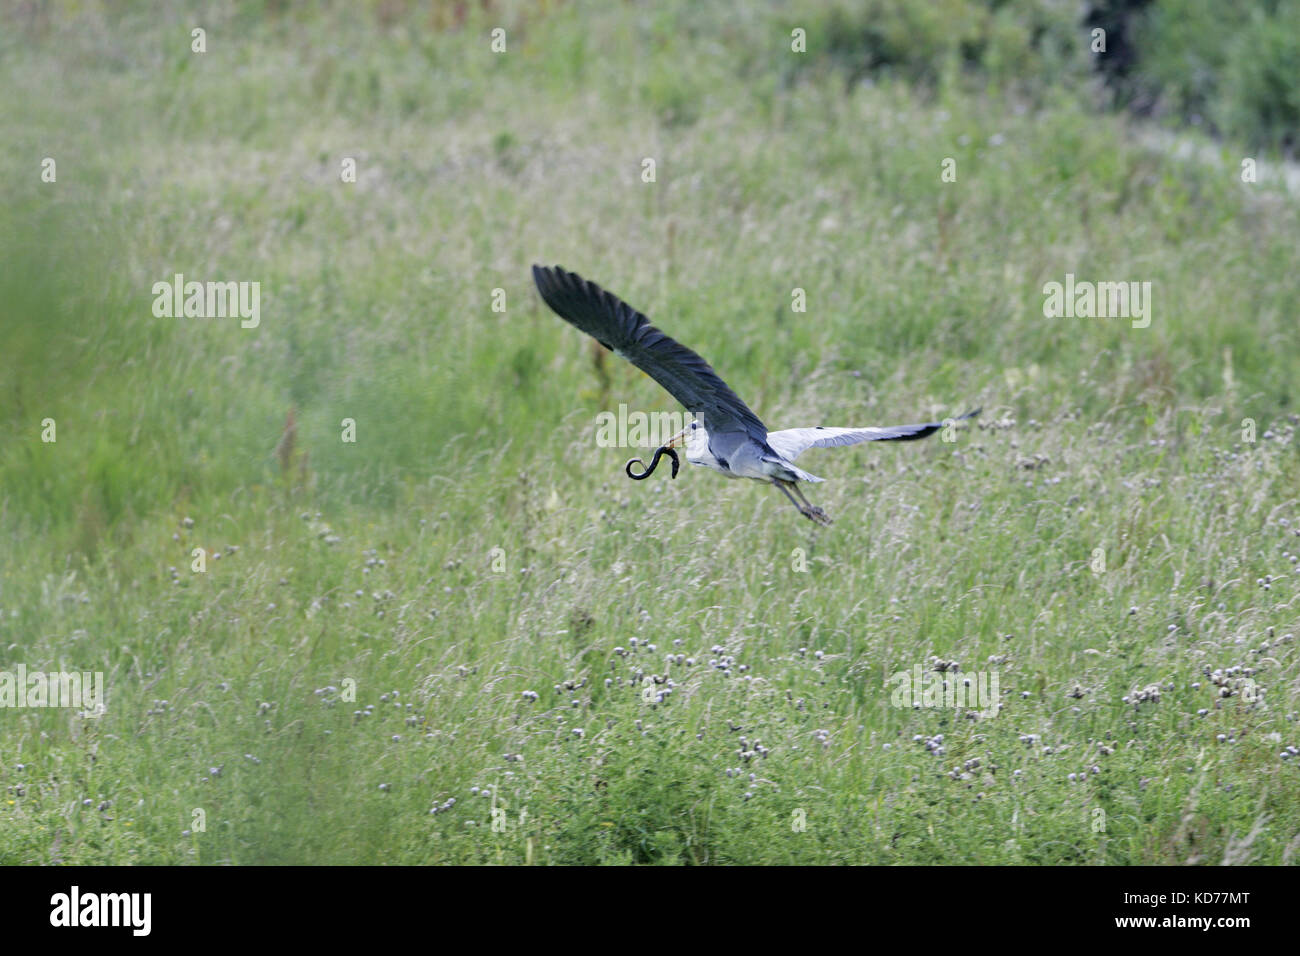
698	453
696	442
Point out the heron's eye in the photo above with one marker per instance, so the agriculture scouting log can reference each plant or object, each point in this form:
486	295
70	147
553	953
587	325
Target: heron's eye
694	425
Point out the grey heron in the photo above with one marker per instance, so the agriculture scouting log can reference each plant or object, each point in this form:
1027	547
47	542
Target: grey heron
726	436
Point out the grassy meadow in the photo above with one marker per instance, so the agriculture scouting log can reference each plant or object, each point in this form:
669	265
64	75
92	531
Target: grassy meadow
466	636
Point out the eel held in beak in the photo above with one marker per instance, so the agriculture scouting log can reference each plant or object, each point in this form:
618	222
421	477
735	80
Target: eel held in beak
654	463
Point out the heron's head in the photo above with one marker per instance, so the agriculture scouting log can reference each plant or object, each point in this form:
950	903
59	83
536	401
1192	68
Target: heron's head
692	437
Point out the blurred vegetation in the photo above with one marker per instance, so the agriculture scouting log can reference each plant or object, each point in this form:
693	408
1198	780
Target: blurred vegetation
1231	68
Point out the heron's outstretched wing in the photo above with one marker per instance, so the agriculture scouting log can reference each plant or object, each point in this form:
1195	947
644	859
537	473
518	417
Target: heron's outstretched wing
617	326
793	442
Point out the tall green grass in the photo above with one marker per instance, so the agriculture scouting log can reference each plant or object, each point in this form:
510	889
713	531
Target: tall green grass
373	562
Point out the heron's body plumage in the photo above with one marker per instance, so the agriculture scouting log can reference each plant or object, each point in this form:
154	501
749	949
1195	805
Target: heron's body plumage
739	456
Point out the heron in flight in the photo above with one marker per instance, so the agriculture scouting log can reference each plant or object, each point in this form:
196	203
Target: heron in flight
726	436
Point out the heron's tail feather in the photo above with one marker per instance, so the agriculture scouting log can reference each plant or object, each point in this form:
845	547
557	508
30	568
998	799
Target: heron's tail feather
794	472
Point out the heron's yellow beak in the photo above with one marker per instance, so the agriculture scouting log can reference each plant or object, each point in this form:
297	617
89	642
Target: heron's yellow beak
678	440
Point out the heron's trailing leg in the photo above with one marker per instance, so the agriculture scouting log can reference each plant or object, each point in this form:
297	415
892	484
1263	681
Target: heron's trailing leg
807	509
811	507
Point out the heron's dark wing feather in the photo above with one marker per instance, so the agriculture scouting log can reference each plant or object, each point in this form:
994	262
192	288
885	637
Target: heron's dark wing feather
619	327
790	443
